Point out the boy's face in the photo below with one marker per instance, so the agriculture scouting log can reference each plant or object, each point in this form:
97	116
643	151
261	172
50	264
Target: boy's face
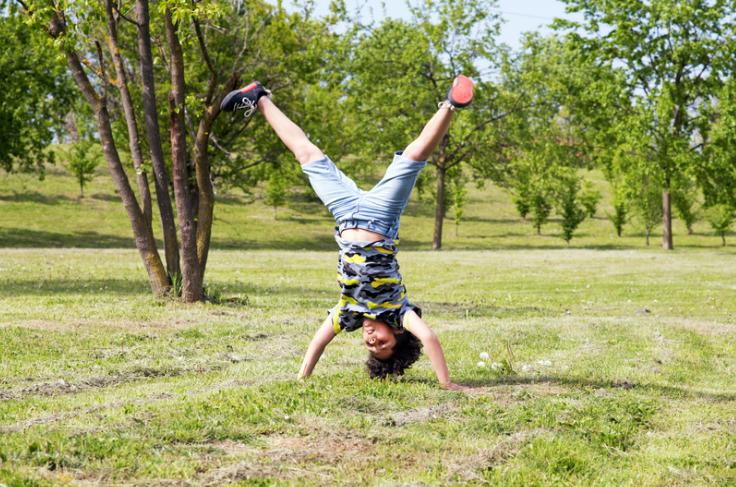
380	338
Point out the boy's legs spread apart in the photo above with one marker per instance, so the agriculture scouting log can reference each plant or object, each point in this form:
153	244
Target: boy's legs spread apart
337	191
390	196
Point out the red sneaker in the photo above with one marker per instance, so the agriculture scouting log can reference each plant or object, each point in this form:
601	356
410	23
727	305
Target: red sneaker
460	93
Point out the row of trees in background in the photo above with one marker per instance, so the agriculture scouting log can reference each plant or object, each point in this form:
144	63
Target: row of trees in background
642	90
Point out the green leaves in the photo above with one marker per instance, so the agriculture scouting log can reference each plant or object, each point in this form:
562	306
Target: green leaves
34	98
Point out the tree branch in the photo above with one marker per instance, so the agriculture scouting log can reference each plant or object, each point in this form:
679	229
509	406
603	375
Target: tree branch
117	11
208	62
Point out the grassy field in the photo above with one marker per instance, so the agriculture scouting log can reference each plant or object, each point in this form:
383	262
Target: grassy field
616	362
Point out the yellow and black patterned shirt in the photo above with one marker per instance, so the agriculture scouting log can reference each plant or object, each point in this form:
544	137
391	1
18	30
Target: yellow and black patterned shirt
368	274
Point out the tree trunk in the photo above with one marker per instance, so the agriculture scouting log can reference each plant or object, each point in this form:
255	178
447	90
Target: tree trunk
667	217
648	231
723	236
143	237
130	120
440	208
206	193
192	277
161	178
191	281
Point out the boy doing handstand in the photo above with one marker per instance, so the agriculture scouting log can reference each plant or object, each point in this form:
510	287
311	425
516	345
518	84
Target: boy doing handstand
373	294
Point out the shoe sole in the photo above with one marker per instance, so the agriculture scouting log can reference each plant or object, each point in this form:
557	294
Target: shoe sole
462	91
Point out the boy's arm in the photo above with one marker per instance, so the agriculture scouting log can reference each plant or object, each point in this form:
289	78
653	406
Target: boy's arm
324	335
419	329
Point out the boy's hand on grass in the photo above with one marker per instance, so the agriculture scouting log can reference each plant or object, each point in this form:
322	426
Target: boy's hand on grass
451	386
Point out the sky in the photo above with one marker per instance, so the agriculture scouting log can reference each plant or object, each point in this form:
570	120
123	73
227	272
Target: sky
519	15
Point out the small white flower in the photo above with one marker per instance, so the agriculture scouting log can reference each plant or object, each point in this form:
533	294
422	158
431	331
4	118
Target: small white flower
655	300
483	356
588	285
526	368
629	300
546	363
481	364
496	366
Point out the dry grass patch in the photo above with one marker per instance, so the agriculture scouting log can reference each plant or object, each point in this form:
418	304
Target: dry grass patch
707	328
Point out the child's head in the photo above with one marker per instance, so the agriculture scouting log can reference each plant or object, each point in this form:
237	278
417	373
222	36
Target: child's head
391	350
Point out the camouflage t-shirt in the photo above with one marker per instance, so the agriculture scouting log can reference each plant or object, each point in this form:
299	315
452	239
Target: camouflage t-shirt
371	285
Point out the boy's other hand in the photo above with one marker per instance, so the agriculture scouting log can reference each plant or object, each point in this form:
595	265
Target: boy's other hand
454	387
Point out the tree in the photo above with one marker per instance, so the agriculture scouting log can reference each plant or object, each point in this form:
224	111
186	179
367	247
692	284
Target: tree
721	218
672	57
717	177
683	201
589	198
458	202
569	206
35	95
540	202
203	47
543	143
396	72
83	161
648	203
620	214
276	188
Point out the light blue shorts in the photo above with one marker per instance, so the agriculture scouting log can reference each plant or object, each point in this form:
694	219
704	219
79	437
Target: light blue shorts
378	210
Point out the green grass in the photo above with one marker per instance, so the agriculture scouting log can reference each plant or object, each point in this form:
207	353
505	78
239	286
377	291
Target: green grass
100	384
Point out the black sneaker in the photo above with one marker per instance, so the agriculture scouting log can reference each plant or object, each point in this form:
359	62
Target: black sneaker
460	93
245	98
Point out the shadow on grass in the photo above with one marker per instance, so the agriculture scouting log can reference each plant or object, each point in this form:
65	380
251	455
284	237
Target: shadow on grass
107	197
53	288
25	238
36	197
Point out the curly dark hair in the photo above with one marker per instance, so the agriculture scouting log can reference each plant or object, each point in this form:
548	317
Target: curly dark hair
407	350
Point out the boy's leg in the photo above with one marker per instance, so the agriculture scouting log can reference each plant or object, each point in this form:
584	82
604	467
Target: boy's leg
459	95
289	133
387	200
431	135
337	191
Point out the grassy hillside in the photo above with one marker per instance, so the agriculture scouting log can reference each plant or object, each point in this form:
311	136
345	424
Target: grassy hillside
50	213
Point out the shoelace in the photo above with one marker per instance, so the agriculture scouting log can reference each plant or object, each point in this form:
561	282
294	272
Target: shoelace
248	106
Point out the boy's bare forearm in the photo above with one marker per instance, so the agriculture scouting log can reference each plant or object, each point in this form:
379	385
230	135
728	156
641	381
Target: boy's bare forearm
433	349
324	335
436	356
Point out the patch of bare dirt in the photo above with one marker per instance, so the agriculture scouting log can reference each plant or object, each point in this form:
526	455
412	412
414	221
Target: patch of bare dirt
312	457
708	328
421	415
468	468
